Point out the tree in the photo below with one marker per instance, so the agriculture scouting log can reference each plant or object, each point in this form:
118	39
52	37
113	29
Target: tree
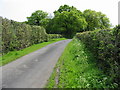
67	23
37	18
96	20
104	21
65	8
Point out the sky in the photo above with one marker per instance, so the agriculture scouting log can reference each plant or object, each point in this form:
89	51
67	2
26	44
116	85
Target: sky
18	10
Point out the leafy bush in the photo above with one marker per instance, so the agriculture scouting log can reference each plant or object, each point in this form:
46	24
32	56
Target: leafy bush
16	35
51	36
105	45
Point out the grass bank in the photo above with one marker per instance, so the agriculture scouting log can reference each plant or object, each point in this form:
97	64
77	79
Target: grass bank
13	55
77	68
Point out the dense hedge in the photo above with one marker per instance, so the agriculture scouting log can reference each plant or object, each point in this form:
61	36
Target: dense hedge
16	35
105	45
52	36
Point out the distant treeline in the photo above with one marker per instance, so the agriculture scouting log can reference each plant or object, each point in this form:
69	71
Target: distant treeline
105	46
68	20
16	35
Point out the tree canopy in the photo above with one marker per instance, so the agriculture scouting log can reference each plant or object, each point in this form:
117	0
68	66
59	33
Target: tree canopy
38	17
67	21
66	8
96	20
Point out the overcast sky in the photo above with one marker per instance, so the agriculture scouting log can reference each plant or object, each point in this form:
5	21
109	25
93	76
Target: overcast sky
18	10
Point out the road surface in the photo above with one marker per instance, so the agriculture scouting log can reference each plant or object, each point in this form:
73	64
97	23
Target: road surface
33	70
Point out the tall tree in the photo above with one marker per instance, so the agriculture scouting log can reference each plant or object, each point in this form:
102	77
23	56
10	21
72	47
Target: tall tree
65	8
96	20
38	17
67	21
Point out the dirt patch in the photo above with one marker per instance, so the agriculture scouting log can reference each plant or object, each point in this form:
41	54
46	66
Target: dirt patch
57	77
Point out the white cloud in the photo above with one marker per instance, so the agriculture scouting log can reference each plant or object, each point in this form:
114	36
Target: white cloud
19	9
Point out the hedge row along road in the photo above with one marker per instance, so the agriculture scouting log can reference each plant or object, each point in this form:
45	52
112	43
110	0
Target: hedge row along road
34	69
17	35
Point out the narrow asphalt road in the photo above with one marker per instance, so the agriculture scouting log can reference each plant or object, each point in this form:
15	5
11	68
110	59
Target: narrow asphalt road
33	70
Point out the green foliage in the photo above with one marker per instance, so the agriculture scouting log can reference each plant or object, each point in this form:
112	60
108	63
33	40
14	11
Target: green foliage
16	36
96	20
38	17
13	55
67	21
77	68
52	36
66	8
104	44
44	22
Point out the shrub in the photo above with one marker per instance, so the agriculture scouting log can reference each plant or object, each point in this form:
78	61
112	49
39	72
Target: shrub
105	45
16	35
52	36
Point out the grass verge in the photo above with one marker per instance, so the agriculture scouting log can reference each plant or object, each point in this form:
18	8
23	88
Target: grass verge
76	68
13	55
